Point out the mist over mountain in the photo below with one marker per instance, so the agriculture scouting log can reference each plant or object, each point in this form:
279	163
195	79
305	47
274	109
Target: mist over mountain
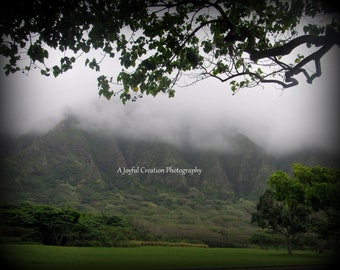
203	116
171	191
70	159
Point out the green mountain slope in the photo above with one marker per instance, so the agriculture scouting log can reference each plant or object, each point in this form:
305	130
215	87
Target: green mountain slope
70	166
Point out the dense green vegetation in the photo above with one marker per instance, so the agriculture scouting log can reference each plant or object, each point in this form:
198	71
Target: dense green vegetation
158	222
53	225
50	257
150	225
71	171
78	168
307	202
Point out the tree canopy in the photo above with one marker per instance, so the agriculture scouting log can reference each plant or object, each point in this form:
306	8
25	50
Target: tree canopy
245	43
53	225
306	202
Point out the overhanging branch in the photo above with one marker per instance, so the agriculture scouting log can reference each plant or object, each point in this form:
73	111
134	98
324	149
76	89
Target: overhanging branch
287	48
327	41
331	37
316	57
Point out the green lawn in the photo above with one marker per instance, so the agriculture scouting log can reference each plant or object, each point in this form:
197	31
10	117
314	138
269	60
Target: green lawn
50	257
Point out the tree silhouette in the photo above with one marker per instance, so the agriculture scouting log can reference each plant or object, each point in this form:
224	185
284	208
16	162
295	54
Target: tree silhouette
246	43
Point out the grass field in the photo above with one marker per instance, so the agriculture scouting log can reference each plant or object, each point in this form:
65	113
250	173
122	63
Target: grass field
50	257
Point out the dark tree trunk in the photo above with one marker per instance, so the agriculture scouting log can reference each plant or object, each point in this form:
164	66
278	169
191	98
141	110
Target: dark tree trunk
289	242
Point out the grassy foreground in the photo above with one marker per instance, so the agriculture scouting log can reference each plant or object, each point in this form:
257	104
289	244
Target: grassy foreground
51	257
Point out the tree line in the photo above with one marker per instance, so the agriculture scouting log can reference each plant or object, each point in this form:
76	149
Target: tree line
302	210
52	225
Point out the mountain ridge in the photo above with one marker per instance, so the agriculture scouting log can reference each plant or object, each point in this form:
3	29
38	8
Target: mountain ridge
72	166
70	155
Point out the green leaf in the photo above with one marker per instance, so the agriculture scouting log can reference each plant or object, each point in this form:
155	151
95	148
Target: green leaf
56	71
238	63
207	47
171	93
37	53
94	65
85	47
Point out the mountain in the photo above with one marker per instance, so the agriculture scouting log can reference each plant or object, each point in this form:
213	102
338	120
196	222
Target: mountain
164	189
69	158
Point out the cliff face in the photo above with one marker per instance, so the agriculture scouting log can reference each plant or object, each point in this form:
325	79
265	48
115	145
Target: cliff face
70	164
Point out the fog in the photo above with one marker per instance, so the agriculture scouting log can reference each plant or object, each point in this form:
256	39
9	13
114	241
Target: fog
205	115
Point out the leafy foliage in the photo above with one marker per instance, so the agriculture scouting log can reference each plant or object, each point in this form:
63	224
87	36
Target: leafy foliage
51	225
64	226
293	206
156	42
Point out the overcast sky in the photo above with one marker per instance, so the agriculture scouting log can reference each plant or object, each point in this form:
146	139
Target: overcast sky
202	115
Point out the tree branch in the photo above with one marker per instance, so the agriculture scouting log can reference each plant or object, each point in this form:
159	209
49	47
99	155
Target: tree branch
226	20
327	41
291	45
316	57
331	36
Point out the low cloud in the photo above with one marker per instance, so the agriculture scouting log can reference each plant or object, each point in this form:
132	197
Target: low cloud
205	116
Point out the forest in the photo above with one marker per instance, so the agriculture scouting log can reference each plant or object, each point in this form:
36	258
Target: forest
51	225
301	212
